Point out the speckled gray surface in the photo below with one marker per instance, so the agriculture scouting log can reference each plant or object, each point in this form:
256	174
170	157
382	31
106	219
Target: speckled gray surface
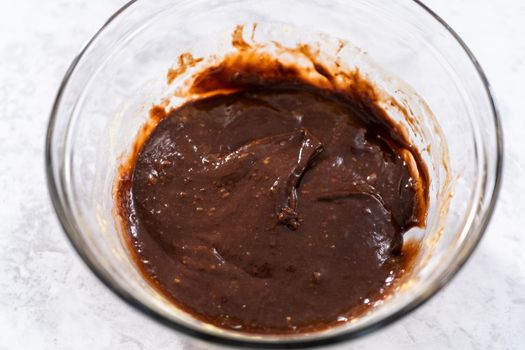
50	300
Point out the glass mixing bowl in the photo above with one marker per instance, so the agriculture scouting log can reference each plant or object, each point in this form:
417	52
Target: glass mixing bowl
110	87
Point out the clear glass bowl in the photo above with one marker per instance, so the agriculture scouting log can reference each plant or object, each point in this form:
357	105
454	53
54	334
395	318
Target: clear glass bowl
111	85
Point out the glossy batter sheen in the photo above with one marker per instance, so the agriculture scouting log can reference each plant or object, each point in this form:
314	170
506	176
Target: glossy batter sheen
275	209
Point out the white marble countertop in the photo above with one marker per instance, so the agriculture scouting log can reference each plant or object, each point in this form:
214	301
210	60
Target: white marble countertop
50	300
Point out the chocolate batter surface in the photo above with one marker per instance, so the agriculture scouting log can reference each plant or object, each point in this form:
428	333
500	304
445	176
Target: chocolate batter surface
278	207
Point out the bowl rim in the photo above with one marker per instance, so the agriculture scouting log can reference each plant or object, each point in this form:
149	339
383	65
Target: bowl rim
62	213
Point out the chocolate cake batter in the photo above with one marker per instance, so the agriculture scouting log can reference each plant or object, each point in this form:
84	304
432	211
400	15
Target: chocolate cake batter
279	207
